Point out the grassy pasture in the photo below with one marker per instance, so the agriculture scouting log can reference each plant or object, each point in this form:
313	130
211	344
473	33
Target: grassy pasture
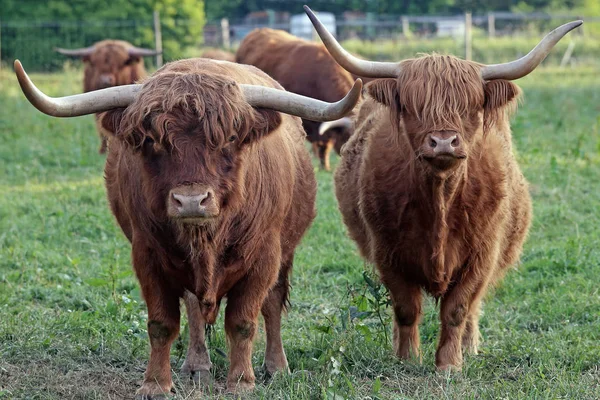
72	323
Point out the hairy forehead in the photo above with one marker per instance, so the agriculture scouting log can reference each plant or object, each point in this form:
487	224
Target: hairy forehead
440	90
110	53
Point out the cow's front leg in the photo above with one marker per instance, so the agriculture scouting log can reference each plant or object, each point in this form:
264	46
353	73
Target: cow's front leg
325	154
197	361
163	322
244	303
458	308
471	336
406	300
275	359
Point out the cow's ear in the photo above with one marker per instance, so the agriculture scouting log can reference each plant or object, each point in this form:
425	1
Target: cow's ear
265	122
385	91
133	60
499	93
111	119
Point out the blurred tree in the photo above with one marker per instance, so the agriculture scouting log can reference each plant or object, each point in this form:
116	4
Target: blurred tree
237	9
182	21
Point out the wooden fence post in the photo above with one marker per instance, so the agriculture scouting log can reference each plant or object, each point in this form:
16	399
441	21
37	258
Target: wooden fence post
226	41
468	24
0	45
158	39
405	26
491	25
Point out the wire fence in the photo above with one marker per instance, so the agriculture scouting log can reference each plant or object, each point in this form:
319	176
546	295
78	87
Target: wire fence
494	37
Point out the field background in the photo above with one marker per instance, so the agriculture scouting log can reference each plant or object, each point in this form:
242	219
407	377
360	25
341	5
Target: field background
72	323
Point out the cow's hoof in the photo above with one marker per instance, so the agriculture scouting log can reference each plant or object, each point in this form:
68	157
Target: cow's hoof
267	372
448	368
239	387
201	377
152	391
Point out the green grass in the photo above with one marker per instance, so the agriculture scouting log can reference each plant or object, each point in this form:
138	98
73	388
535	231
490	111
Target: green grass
72	323
484	49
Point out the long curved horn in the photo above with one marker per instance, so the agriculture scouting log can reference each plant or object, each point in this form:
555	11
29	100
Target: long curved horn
369	69
140	52
121	96
344	122
524	65
79	104
304	107
83	52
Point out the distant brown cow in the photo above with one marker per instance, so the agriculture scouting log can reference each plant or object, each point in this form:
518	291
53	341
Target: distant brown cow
214	189
218	54
305	68
430	189
110	63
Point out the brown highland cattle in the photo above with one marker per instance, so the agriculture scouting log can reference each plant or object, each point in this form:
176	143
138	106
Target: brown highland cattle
213	187
218	54
430	189
110	63
307	69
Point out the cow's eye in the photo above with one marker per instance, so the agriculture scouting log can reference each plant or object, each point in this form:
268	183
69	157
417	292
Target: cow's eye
232	138
151	147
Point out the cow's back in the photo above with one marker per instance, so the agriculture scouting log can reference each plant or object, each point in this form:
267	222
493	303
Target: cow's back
300	66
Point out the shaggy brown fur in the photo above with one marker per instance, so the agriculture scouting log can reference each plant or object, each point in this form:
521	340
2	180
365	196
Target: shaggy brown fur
218	54
110	65
190	126
448	224
301	67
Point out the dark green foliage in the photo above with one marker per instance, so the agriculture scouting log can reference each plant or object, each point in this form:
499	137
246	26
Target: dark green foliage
235	9
31	29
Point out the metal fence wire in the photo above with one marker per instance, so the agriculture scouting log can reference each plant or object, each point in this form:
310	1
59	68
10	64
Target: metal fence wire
496	37
34	43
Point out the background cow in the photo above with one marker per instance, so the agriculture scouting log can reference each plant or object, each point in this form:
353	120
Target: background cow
430	189
218	54
110	63
214	189
305	68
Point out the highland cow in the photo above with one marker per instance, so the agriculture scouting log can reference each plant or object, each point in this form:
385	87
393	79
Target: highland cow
307	69
213	187
429	187
110	63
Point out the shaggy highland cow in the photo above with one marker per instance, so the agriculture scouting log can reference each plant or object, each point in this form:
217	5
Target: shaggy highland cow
213	187
307	69
110	63
430	189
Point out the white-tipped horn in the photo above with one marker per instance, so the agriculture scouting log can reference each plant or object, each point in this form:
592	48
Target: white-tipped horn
524	65
83	52
79	104
304	107
140	52
369	69
344	123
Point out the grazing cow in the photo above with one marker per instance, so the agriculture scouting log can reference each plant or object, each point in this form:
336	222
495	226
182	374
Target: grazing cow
110	63
218	54
430	189
307	69
213	187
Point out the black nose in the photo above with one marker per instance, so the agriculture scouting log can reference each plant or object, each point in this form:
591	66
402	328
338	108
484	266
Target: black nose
106	80
192	202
